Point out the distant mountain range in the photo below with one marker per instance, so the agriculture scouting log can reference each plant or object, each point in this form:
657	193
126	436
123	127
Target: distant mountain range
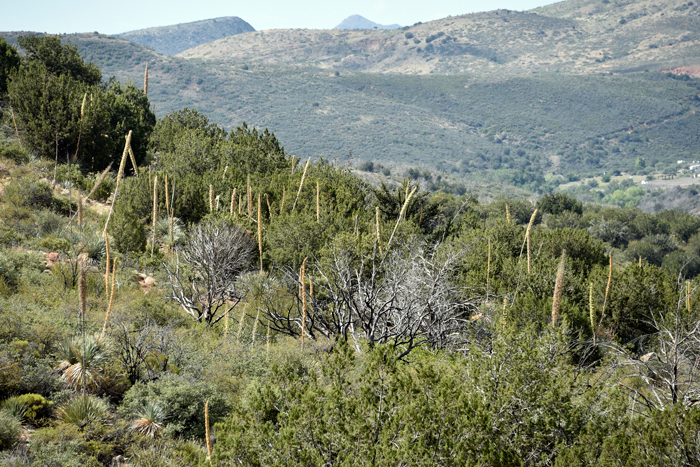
360	22
171	40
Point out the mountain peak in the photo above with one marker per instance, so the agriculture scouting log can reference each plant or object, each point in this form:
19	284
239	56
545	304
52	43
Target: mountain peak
360	22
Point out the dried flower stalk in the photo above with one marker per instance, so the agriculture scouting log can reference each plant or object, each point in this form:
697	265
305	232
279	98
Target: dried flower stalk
250	199
488	269
240	325
269	208
301	184
591	310
120	174
145	81
167	200
318	202
607	289
107	268
207	431
284	195
82	288
302	290
155	213
558	289
378	228
260	245
99	182
111	300
527	237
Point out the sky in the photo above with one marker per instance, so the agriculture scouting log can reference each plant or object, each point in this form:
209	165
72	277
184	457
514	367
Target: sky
68	16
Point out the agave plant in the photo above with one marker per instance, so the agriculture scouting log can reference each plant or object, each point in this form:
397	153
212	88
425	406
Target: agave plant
83	410
150	421
82	361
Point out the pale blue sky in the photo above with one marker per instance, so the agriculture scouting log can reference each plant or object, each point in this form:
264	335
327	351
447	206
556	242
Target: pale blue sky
55	16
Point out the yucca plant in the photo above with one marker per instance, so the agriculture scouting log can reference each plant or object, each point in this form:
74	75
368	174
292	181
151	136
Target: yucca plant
82	361
83	410
163	231
15	407
95	247
151	417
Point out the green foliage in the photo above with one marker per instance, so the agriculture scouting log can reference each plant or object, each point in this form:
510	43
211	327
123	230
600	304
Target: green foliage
10	430
183	401
127	229
13	264
667	437
59	101
9	61
15	152
583	251
83	360
59	59
375	410
35	406
558	203
83	410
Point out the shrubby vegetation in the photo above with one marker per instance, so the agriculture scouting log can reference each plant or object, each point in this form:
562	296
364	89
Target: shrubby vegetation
297	315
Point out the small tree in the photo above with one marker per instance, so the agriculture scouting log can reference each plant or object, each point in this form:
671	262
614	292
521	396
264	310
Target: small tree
215	256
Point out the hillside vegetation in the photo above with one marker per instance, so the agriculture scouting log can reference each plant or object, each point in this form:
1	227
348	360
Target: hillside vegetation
171	40
209	299
614	36
531	100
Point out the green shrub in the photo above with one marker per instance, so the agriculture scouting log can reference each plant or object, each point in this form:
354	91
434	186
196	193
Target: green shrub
105	190
74	176
53	243
14	407
29	192
127	230
10	429
12	263
37	406
183	401
14	152
48	222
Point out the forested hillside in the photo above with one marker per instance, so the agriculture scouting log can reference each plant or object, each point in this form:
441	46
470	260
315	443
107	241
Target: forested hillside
174	292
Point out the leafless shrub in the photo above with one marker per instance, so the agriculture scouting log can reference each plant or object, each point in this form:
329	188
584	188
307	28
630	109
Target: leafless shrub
203	282
405	297
666	362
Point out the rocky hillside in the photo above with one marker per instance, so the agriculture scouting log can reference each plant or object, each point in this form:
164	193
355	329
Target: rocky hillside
170	40
572	36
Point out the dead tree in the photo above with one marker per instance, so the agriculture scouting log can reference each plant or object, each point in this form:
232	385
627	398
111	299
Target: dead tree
203	281
405	297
